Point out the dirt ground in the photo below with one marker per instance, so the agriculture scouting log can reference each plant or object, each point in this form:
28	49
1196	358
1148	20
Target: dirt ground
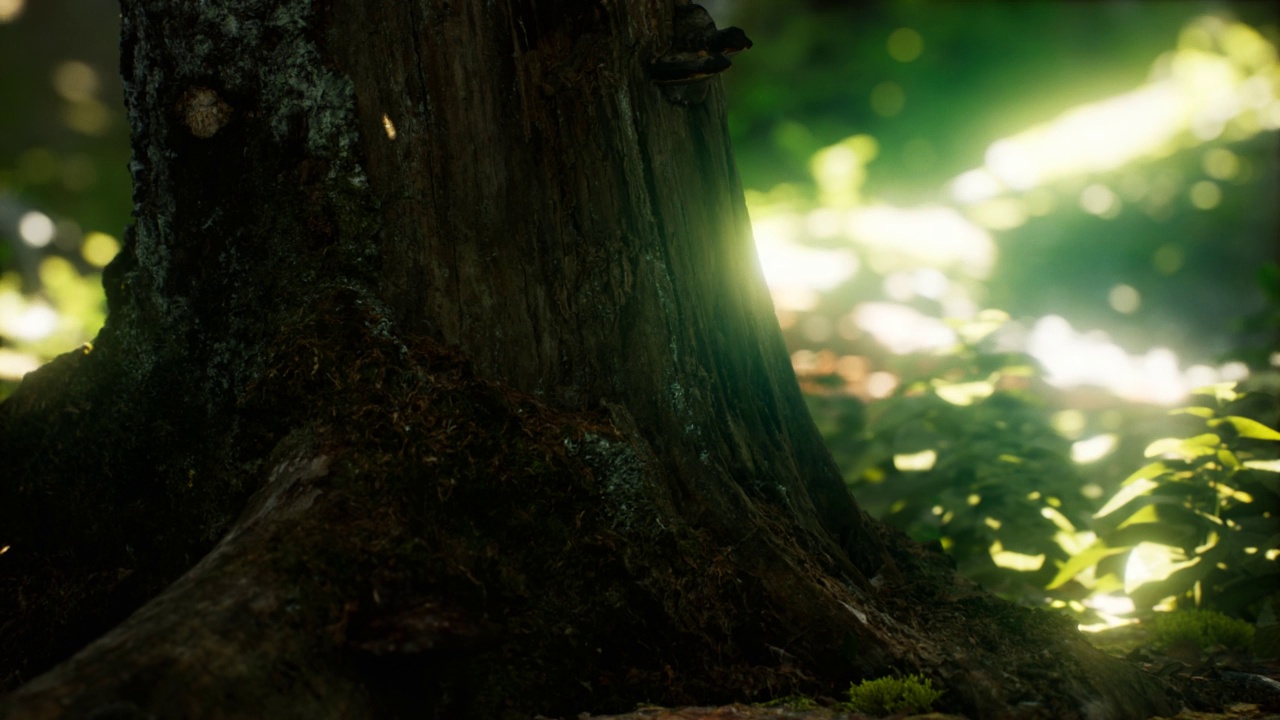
1210	676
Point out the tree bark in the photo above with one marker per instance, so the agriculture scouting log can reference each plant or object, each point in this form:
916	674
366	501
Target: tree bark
441	338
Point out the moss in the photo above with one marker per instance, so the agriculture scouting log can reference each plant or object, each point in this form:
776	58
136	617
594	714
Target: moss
1201	630
889	695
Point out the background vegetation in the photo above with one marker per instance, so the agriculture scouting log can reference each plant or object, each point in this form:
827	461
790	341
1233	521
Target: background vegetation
1004	241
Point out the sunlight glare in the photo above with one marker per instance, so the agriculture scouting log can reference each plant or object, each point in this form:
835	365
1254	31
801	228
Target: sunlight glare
928	236
31	321
1111	610
1151	562
1219	71
13	365
1071	359
903	329
1094	449
794	272
1096	137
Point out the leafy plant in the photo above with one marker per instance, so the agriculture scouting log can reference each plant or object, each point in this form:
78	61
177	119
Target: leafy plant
967	457
1200	630
1209	503
889	695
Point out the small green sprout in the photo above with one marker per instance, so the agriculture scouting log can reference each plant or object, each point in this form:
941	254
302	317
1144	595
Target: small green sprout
889	695
1201	630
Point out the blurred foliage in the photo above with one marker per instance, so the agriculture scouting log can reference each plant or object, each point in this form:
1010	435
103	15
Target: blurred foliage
985	72
1261	328
1200	631
1208	506
967	456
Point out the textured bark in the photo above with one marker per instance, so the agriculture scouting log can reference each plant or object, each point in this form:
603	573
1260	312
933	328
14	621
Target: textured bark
440	336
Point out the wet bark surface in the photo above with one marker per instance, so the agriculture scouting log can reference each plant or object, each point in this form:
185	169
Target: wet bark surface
440	380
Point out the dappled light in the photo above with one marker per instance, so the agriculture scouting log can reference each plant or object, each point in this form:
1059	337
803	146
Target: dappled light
1108	213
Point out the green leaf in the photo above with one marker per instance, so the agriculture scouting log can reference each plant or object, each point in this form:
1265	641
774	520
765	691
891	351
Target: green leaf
1222	392
1185	448
1228	459
1202	412
1146	472
1265	465
1140	486
1161	533
1247	427
1179	582
1082	560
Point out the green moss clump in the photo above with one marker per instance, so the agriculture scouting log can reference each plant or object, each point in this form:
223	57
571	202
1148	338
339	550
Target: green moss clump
1201	629
889	695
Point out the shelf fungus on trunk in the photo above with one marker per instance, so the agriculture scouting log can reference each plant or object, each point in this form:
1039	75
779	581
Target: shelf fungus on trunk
698	51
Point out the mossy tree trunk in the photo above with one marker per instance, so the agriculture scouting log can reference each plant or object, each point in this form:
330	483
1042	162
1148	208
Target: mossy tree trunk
440	380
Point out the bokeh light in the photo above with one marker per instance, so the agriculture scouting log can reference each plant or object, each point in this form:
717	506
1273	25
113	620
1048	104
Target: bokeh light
905	45
10	10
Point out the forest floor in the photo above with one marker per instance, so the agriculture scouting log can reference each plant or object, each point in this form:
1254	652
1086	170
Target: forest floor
1210	675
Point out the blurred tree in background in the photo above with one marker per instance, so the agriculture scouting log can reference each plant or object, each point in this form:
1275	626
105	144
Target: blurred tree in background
1003	238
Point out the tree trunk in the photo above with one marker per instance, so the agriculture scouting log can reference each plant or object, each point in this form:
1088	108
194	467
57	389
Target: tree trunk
441	338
